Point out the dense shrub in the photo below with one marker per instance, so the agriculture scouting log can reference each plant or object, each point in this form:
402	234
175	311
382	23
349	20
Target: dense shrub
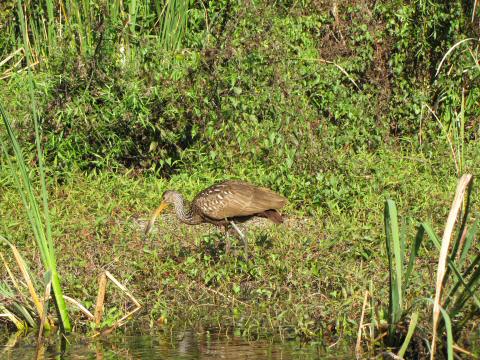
271	83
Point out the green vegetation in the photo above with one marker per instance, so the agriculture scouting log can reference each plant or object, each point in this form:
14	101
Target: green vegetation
40	223
340	106
460	284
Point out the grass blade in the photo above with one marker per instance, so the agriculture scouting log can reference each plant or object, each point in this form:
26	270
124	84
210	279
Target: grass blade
26	276
461	238
413	254
448	328
442	261
410	332
395	262
468	286
468	292
467	244
448	53
358	346
11	316
40	227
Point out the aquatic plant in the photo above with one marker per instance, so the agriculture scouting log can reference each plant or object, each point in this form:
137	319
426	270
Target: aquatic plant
458	276
38	217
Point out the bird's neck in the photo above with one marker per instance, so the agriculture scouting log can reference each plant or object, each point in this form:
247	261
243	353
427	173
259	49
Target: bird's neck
184	211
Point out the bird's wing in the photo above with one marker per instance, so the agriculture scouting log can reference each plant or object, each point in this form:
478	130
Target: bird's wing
236	198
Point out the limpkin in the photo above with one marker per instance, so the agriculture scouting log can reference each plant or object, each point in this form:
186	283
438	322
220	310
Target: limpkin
223	205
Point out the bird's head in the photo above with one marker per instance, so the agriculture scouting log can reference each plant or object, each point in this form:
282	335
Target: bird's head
168	198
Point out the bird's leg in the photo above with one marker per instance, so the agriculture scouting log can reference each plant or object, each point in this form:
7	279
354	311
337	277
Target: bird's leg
227	240
242	236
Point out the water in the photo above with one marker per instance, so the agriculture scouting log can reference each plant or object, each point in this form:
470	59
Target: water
185	345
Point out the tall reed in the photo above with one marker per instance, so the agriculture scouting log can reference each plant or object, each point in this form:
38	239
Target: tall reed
79	25
38	216
39	223
173	23
458	273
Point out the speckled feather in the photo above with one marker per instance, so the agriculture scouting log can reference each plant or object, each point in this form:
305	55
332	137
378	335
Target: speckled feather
235	199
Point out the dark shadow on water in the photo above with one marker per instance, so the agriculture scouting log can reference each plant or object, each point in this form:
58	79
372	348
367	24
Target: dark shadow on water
182	345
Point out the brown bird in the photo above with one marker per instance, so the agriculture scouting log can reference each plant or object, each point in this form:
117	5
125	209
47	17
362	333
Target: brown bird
224	204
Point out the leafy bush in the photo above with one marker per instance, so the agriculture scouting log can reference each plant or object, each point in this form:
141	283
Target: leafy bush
289	88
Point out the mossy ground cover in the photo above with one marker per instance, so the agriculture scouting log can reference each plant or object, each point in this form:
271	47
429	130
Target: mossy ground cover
304	278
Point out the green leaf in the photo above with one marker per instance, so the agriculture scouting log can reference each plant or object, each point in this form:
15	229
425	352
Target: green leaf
395	262
467	244
413	255
448	328
410	332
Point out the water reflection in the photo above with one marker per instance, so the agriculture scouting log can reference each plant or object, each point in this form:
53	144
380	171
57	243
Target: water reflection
185	345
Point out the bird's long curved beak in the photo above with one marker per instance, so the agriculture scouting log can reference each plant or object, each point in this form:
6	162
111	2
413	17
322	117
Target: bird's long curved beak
162	207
